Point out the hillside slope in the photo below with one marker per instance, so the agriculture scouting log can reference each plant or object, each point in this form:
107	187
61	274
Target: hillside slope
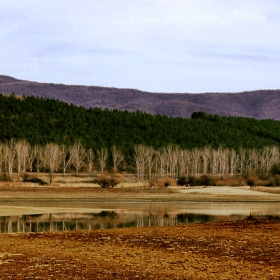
262	104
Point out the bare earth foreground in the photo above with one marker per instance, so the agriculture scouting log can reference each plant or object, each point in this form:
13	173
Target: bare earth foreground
224	250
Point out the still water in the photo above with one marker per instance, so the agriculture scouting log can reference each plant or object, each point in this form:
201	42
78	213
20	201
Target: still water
40	217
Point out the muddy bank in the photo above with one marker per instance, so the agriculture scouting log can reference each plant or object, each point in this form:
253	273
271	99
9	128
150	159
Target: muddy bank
224	250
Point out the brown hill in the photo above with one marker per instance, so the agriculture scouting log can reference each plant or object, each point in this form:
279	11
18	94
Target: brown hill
261	104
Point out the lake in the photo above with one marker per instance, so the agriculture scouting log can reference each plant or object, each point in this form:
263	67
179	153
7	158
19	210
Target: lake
49	216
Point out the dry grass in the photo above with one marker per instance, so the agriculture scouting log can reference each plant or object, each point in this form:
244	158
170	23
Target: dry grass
229	181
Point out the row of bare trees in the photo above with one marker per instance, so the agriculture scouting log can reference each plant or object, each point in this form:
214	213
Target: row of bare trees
19	157
174	162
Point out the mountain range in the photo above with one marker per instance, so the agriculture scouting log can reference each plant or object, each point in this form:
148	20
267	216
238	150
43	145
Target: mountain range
260	104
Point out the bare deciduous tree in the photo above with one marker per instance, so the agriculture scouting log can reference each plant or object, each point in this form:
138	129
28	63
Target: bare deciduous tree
117	157
149	155
233	159
22	152
38	154
139	159
90	159
195	157
9	154
2	156
67	158
77	153
182	162
52	157
102	158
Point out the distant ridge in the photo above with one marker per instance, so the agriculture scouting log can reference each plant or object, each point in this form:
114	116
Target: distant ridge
261	104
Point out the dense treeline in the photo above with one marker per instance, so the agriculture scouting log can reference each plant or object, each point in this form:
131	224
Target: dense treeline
42	121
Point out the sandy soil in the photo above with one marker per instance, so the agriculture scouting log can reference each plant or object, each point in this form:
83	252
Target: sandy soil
225	250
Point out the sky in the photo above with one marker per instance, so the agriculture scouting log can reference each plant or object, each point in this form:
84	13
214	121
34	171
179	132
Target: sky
175	46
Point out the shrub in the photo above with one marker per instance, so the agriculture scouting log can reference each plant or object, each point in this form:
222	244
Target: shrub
192	181
108	180
251	181
277	180
273	181
33	180
206	180
152	183
275	169
182	181
200	181
166	182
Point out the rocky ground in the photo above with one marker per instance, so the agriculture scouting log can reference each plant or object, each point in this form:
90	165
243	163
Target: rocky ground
225	250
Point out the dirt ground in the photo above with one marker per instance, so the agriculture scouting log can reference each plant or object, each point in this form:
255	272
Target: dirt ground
225	250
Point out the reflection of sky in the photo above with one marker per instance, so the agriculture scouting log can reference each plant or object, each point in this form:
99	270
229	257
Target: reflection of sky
166	46
227	209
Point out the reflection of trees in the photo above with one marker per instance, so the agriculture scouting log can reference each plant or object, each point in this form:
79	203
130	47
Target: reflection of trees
107	219
107	214
193	218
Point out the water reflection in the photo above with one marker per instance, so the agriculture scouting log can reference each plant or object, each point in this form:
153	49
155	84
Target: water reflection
114	219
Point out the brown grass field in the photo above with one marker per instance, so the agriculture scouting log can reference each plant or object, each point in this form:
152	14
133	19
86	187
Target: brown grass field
223	250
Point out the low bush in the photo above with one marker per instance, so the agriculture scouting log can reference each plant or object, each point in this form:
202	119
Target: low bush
275	169
251	181
152	183
200	181
192	181
182	181
108	180
39	181
166	182
273	181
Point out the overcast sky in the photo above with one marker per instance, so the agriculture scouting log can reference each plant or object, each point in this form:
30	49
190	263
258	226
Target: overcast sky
153	45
